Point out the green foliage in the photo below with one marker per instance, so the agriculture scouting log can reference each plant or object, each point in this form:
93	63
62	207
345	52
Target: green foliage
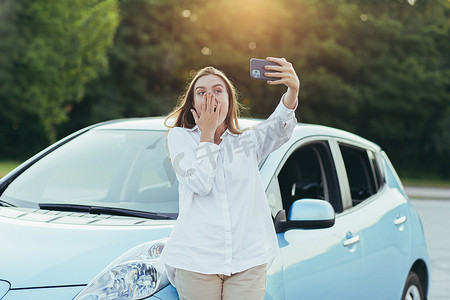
7	166
376	68
59	46
9	41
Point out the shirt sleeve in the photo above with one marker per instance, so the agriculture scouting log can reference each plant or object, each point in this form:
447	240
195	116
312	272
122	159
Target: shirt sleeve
194	168
276	130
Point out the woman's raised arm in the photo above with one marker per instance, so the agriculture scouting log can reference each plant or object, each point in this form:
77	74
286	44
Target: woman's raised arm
285	71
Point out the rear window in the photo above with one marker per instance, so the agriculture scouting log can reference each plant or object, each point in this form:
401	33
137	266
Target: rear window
362	175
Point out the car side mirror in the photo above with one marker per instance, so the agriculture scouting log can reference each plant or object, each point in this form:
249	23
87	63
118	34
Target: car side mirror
306	214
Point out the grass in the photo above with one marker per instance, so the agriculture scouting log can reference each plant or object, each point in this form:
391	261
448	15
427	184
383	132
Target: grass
426	182
6	166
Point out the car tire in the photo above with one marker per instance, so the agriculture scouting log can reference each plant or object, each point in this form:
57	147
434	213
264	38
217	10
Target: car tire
413	288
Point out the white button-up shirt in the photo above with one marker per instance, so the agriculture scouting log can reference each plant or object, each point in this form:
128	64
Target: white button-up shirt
224	224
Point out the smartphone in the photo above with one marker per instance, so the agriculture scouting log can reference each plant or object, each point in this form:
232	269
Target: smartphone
257	69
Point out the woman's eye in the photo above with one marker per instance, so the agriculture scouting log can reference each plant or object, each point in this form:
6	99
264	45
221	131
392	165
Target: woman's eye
217	91
201	93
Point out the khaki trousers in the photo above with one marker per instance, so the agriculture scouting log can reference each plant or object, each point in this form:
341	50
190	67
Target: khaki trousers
247	285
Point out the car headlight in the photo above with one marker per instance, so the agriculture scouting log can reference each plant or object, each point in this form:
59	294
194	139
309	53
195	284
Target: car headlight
136	274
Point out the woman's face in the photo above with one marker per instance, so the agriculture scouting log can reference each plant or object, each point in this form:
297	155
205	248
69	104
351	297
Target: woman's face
217	87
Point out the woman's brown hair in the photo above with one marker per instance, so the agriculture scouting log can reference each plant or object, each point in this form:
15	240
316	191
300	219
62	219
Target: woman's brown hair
182	114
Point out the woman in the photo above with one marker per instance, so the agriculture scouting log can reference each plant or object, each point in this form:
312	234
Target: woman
224	239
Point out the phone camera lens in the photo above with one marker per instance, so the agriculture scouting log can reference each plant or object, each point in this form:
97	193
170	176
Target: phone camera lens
256	73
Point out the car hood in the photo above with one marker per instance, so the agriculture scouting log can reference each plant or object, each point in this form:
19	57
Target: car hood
41	248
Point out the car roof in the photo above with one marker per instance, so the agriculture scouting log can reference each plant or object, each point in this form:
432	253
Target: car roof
154	123
301	129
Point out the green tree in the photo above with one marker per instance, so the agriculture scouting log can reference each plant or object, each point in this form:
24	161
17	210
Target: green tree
407	90
379	69
9	42
59	46
376	68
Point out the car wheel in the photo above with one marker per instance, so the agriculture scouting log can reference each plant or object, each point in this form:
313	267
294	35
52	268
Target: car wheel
413	288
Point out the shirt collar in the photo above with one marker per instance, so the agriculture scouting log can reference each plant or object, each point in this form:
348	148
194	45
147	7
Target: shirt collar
228	132
193	128
225	133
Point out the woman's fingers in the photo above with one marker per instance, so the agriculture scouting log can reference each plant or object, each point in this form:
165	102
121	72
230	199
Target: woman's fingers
289	81
211	104
285	73
208	111
280	61
276	74
207	102
203	104
276	68
194	114
279	81
216	114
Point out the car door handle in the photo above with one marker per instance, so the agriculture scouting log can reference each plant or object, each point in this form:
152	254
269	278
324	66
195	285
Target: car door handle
352	241
400	220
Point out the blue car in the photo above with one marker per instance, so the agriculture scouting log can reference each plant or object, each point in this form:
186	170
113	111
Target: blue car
88	217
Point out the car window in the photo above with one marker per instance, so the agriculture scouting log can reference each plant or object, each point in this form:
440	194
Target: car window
377	168
114	168
309	173
363	172
391	175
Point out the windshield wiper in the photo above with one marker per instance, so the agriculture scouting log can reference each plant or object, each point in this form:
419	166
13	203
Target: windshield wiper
106	210
6	204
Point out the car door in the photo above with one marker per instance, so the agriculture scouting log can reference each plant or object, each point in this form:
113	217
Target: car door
319	263
381	213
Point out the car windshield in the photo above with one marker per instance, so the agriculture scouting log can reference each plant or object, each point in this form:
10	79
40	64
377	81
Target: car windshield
110	168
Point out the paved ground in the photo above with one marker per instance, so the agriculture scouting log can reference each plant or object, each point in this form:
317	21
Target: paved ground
435	216
427	193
